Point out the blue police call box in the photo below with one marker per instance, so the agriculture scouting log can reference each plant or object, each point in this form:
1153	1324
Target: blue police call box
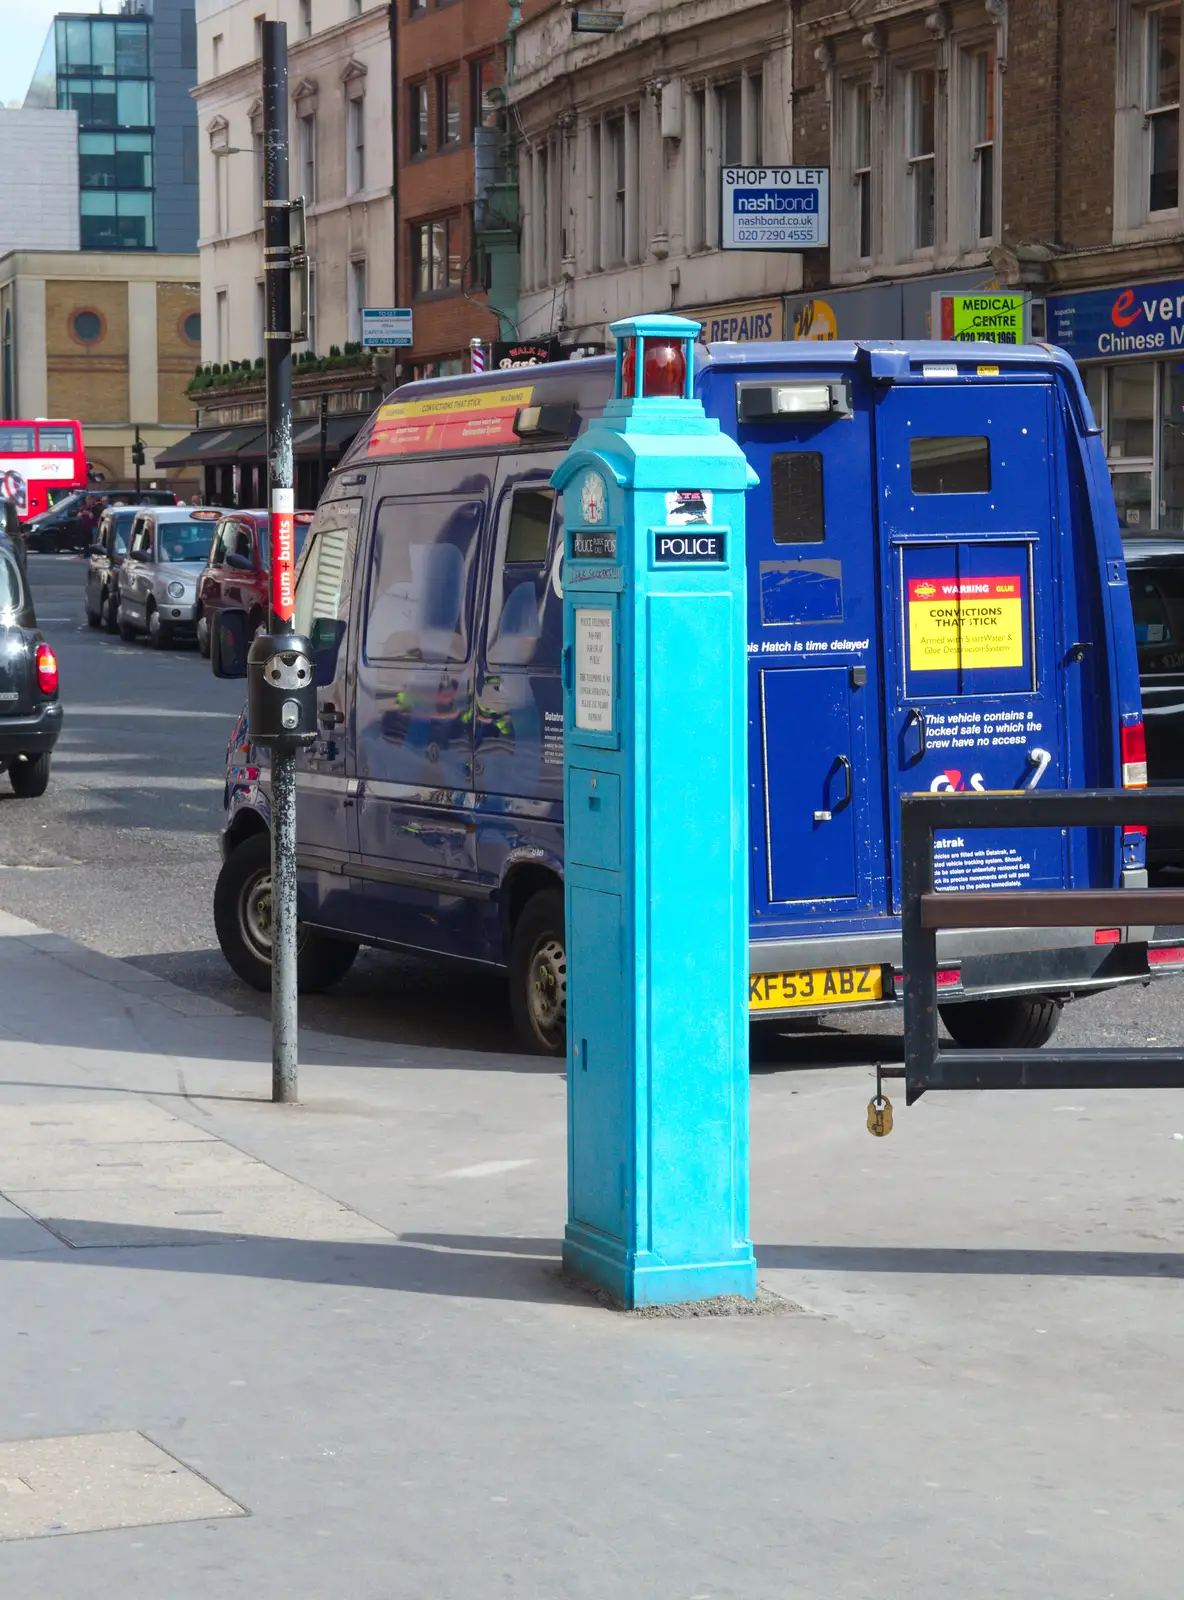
655	816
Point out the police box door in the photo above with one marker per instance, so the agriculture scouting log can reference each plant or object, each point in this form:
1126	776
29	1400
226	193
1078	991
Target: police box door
969	538
814	630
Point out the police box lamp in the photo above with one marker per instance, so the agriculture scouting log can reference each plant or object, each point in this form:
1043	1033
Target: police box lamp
282	690
770	402
665	370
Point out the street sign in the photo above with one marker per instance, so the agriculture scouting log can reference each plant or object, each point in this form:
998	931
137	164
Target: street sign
386	328
774	208
591	19
980	318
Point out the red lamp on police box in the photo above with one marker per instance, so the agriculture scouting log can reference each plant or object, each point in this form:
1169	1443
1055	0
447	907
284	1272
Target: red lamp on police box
666	363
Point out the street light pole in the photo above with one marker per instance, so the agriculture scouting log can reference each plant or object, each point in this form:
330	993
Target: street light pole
277	272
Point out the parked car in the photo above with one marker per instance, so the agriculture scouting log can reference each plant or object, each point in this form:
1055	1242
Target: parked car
238	571
30	711
1155	575
167	549
106	558
66	525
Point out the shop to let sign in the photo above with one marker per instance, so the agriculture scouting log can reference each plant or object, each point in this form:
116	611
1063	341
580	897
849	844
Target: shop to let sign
453	422
979	318
956	623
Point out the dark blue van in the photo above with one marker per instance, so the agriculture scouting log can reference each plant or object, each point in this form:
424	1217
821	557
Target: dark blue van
937	600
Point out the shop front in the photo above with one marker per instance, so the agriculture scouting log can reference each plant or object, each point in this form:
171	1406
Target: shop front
1129	343
902	309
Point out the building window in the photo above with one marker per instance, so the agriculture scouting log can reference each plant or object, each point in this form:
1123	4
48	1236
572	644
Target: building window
436	255
221	194
728	101
620	218
1162	107
306	19
121	221
259	21
191	327
982	99
859	114
356	124
308	157
921	113
416	8
417	118
87	327
355	8
222	323
188	37
357	298
447	109
216	44
618	197
481	80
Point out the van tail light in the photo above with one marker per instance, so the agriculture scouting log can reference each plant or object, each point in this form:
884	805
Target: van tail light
1170	955
47	670
1107	936
949	977
1132	744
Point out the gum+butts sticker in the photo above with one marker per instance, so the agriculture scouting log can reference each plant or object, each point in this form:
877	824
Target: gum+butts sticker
965	622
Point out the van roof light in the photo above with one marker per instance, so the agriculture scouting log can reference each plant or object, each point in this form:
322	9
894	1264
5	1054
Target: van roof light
764	402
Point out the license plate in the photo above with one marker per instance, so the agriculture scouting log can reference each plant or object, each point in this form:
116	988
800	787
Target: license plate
824	986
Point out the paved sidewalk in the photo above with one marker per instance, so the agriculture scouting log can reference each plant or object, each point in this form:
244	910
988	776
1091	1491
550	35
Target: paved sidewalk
322	1353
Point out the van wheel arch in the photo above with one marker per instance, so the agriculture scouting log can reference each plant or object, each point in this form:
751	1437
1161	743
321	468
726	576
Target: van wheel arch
519	887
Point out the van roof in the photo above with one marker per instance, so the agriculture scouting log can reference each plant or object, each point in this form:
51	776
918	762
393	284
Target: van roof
587	384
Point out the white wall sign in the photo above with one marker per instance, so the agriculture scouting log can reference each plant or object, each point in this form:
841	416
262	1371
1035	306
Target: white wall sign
386	327
774	208
594	669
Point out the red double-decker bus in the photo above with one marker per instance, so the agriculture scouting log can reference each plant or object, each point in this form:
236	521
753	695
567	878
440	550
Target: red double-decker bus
40	460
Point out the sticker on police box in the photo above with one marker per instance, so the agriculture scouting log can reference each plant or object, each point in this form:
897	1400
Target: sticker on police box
687	508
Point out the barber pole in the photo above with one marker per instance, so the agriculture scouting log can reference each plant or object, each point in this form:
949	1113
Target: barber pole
476	355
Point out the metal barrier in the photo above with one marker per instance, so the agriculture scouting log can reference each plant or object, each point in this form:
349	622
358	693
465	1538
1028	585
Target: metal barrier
930	1066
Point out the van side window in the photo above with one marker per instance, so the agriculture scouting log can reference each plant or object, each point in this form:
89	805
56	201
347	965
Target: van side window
323	581
957	464
421	579
218	548
799	516
525	612
142	540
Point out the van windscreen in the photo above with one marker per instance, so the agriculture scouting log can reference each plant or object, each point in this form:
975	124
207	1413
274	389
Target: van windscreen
950	464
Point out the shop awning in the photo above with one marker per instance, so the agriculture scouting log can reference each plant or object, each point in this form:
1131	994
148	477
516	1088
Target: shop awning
340	431
216	444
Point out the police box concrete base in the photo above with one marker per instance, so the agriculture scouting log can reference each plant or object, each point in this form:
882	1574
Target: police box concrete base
636	1280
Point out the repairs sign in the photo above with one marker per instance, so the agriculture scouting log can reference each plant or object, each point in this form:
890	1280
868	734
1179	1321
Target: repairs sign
774	208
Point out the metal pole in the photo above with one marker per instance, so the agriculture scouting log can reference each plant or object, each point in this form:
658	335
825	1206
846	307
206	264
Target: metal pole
136	455
322	454
277	269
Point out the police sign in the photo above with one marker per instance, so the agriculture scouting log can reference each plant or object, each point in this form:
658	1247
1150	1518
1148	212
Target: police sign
774	208
690	546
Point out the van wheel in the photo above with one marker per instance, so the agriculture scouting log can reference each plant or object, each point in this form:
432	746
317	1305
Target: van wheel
111	612
160	635
242	921
126	632
538	976
1013	1023
30	778
203	636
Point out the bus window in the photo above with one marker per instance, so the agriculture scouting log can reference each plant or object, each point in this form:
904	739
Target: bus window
421	580
21	438
58	438
525	613
799	516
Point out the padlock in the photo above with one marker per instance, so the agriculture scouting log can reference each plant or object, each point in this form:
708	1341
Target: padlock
879	1117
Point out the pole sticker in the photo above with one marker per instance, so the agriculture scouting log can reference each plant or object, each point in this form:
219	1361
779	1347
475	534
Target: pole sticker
283	554
965	622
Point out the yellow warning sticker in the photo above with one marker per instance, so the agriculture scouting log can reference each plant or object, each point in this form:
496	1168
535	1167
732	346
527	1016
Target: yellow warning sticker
451	405
965	622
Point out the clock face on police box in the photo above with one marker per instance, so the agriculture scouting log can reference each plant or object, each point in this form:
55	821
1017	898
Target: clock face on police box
593	498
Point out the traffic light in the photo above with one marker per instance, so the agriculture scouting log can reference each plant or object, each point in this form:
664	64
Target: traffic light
138	457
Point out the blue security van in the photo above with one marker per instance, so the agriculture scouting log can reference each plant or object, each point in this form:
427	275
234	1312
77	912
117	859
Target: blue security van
936	600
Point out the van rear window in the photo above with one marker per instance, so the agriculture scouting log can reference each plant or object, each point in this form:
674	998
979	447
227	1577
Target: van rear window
951	464
799	516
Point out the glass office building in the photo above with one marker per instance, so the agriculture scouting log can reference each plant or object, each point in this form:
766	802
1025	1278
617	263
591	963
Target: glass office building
137	170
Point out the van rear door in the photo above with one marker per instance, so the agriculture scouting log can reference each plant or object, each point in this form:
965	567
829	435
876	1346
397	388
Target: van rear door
815	625
974	667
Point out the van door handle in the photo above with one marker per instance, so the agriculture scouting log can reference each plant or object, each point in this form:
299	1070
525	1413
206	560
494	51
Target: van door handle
919	718
330	716
849	775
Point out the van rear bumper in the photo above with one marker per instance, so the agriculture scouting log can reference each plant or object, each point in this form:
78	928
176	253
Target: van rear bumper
31	735
978	964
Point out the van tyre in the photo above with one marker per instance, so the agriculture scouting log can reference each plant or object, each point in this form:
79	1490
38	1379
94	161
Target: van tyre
30	778
160	635
203	636
126	632
242	921
538	976
111	613
1015	1022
